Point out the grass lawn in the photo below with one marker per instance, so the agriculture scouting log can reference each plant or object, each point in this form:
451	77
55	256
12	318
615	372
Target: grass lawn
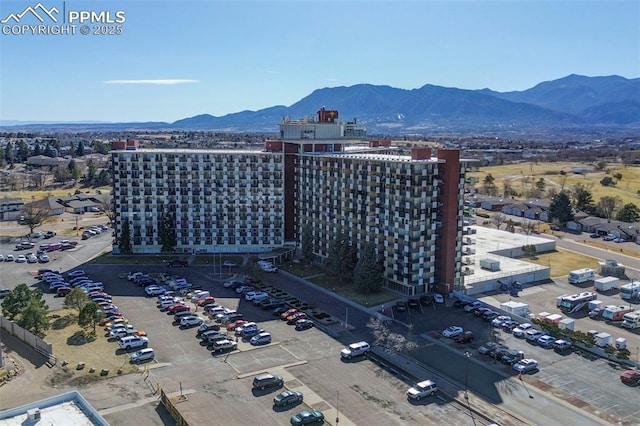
316	275
71	345
517	174
562	261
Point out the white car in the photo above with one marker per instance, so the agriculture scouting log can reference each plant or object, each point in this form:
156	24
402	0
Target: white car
471	306
228	264
453	331
526	365
122	332
520	330
355	349
251	295
21	259
191	321
154	290
260	297
438	298
168	302
133	275
76	273
422	389
269	269
32	258
9	258
497	321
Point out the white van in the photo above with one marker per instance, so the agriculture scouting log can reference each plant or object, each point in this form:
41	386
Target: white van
146	354
198	295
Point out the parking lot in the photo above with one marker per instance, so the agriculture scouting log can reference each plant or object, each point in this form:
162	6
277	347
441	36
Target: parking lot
582	380
308	360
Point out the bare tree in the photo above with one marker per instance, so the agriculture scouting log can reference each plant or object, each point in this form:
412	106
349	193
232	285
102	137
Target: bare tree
35	217
498	219
38	178
393	342
104	203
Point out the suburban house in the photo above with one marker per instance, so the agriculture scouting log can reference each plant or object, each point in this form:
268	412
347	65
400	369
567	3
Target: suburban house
49	204
10	208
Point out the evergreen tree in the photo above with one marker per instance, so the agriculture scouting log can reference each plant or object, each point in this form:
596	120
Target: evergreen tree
167	233
307	242
124	240
629	213
92	171
16	301
37	150
35	318
367	274
583	199
48	151
8	153
23	152
560	208
80	149
90	316
73	170
340	260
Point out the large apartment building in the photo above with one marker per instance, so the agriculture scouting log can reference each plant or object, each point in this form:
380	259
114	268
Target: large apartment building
321	173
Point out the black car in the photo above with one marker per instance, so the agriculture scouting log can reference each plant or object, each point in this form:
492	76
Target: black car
414	303
178	264
280	310
489	315
465	337
303	324
265	380
460	303
401	306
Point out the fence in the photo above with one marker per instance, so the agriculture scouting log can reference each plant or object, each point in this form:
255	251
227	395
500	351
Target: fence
166	401
43	348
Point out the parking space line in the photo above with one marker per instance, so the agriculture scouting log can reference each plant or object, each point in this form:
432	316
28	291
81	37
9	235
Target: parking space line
277	367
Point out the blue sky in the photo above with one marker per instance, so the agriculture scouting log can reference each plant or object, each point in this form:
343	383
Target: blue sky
227	56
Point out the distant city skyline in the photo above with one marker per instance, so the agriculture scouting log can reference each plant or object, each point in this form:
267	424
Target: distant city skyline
179	59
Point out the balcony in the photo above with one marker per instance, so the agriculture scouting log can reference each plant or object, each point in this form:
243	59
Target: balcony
468	250
468	240
469	231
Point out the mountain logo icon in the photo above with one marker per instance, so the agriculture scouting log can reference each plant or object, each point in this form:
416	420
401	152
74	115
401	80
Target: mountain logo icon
39	11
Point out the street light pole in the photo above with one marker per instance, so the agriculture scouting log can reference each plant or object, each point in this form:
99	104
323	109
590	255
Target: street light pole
337	407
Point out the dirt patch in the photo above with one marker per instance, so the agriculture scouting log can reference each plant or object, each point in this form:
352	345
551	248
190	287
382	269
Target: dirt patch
74	346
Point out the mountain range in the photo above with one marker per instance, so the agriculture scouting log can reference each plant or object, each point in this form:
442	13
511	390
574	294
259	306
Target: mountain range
574	104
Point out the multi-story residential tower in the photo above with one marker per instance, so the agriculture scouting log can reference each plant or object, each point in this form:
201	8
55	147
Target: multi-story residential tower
321	173
221	201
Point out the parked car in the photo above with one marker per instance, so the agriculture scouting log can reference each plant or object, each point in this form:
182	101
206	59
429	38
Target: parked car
422	389
355	349
546	341
520	330
191	321
307	417
499	320
465	337
4	292
401	306
486	348
229	264
224	345
479	312
43	258
512	356
76	273
533	335
452	331
146	354
9	258
438	298
178	264
155	290
413	303
472	306
133	342
178	307
261	339
287	398
526	365
630	377
304	324
21	259
562	345
266	380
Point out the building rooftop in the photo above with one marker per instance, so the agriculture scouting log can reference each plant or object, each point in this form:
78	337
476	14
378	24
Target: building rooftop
494	244
66	409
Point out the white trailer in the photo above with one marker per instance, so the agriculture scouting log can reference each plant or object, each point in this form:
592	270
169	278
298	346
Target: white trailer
606	283
631	320
630	291
580	276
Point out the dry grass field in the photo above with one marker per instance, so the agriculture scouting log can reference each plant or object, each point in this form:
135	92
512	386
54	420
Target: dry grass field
562	261
72	345
516	175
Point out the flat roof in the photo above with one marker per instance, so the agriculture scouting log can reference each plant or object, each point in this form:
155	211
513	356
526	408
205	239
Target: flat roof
489	241
69	408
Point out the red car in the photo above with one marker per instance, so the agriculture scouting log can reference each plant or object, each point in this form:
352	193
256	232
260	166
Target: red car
630	377
291	319
63	291
178	307
205	301
288	313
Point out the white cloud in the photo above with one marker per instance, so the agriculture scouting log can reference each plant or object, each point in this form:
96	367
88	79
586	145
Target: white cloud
157	81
